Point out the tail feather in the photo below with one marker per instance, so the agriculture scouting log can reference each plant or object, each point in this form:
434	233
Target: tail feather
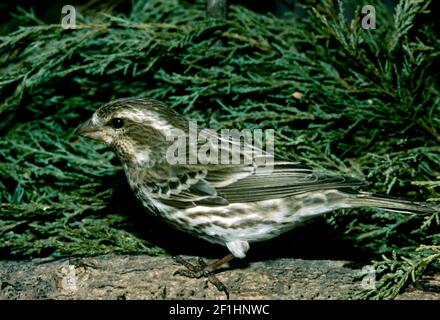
366	199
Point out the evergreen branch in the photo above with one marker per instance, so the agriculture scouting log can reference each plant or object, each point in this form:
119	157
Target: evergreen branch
404	16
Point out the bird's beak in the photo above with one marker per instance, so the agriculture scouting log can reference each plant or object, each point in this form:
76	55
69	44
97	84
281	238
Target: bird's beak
89	130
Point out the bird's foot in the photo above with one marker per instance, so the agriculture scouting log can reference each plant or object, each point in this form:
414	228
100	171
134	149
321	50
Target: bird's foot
198	271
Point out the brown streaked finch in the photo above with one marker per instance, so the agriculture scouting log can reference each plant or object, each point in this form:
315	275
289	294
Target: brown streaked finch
231	204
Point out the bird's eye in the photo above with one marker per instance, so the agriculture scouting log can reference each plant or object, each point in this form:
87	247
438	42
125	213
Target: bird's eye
117	123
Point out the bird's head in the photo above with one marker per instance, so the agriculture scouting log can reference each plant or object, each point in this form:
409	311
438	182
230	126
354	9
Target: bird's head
132	126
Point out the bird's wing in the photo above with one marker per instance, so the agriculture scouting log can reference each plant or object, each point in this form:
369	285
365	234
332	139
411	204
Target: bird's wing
221	185
256	177
182	187
278	180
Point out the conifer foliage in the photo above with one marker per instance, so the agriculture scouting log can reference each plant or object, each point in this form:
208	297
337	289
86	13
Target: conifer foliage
341	98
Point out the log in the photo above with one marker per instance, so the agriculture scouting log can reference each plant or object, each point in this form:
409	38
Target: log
147	277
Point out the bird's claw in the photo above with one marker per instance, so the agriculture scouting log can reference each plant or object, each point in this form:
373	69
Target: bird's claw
198	271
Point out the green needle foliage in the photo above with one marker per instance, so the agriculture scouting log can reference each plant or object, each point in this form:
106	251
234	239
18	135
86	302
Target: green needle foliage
342	99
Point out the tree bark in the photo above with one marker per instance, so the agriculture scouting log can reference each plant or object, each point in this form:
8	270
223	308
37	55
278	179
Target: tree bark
146	277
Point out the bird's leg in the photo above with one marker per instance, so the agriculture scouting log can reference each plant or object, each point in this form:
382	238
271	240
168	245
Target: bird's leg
204	270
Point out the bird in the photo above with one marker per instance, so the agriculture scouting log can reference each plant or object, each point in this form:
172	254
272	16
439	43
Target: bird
233	204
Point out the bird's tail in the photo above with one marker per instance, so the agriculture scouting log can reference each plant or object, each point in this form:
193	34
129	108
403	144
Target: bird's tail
366	199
